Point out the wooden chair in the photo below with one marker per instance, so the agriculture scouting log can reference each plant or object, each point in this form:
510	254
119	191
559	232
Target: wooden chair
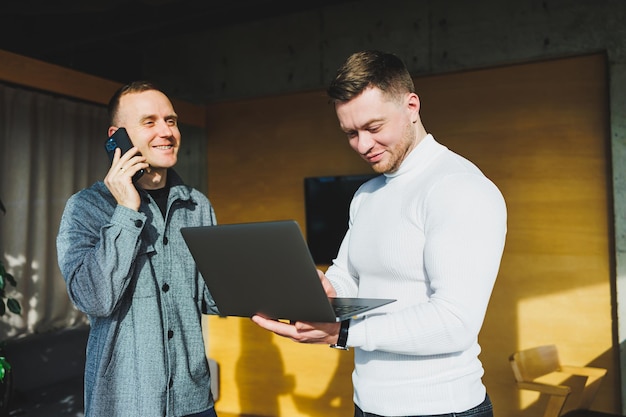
530	364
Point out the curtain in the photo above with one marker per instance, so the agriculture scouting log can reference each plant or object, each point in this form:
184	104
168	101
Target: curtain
50	147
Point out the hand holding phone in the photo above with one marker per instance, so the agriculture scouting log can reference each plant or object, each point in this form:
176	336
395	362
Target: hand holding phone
120	139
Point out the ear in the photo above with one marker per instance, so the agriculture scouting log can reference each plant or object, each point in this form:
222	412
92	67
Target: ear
413	106
112	129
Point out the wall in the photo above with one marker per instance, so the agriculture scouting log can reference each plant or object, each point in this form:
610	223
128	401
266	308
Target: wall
532	128
301	51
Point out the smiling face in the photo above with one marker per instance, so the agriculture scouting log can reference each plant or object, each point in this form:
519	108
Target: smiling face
152	125
382	129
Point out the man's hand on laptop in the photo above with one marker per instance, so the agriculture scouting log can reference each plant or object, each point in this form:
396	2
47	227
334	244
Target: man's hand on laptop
328	287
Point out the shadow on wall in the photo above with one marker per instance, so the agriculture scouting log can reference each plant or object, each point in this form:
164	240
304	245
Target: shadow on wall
43	310
261	379
255	364
331	398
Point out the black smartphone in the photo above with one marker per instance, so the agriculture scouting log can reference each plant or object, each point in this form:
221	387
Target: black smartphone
120	139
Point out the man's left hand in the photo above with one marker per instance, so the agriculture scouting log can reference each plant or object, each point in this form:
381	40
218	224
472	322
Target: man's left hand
301	332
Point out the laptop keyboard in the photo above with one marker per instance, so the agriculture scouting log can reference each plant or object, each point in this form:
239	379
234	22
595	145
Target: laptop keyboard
341	310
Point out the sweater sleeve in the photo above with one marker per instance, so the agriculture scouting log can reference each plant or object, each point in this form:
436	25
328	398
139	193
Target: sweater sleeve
464	225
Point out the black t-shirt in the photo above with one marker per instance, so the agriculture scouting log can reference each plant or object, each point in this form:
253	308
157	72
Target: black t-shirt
160	197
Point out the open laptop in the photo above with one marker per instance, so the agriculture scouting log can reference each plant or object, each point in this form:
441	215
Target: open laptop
266	268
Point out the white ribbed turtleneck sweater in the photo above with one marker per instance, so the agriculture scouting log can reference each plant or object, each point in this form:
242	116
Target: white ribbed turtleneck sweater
430	235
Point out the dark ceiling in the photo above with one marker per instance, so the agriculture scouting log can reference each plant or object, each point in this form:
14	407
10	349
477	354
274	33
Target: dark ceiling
108	38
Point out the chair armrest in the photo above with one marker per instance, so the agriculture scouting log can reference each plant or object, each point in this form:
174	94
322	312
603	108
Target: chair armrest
592	382
558	390
583	371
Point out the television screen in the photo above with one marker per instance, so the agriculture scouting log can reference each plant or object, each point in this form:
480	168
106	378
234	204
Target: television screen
327	204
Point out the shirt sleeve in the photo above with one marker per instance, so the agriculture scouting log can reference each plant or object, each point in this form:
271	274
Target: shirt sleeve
96	254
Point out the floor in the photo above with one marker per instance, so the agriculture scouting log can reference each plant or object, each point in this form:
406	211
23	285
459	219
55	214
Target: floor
61	400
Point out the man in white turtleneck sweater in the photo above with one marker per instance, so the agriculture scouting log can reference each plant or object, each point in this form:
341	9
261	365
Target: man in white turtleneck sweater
429	233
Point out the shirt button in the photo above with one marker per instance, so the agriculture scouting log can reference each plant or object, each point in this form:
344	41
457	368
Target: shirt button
138	223
165	287
170	334
165	240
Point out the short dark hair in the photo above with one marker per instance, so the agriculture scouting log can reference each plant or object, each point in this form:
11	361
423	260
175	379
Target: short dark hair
370	69
130	88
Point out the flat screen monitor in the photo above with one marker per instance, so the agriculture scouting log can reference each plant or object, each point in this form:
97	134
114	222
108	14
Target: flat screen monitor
327	204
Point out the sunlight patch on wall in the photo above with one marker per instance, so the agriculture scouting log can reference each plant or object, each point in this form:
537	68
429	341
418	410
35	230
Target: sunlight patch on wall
560	316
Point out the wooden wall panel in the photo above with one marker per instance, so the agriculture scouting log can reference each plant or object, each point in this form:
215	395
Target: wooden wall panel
539	130
51	78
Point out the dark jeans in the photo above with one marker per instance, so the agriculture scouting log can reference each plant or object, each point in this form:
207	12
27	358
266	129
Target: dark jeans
483	410
208	413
